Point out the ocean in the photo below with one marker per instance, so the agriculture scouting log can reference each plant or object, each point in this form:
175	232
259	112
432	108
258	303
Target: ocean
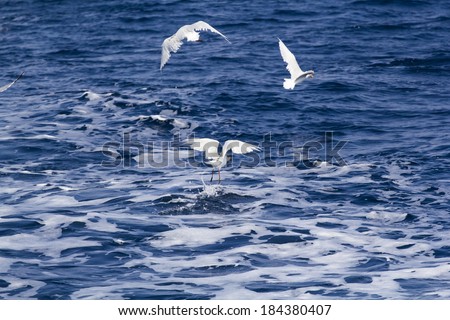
349	197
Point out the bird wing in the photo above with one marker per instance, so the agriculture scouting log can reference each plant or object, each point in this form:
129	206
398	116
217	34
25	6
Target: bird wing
203	26
237	146
292	64
169	45
209	146
6	87
174	42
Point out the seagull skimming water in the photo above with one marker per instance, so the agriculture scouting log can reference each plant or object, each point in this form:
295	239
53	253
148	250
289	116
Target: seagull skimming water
6	87
189	32
297	74
210	147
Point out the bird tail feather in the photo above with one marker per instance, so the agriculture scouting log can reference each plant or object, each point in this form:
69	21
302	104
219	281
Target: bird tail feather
289	84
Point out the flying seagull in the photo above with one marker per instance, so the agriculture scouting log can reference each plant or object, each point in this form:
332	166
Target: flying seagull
210	147
6	87
188	32
297	74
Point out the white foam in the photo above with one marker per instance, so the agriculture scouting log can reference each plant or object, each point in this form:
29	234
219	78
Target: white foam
35	137
92	96
39	242
197	236
386	216
314	204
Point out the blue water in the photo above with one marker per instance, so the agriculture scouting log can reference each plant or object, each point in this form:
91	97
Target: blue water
363	215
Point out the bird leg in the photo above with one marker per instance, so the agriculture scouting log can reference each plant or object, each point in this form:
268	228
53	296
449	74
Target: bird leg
212	175
219	174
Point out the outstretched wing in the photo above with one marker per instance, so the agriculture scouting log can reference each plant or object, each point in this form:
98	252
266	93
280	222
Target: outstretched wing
208	146
174	42
239	147
171	44
203	26
292	65
6	87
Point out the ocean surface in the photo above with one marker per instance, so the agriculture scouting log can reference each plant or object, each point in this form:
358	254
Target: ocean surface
349	197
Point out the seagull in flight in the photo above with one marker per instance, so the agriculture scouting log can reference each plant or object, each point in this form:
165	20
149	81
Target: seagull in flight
297	74
6	87
189	32
210	147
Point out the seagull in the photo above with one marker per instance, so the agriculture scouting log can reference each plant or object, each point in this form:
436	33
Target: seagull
6	87
210	147
297	74
188	32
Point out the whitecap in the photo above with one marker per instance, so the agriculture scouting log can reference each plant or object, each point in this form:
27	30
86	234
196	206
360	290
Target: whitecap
386	216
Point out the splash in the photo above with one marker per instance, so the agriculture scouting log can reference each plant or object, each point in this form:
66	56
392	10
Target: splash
211	190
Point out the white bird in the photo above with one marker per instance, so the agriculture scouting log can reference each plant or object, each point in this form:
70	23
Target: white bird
6	87
210	147
188	32
297	74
